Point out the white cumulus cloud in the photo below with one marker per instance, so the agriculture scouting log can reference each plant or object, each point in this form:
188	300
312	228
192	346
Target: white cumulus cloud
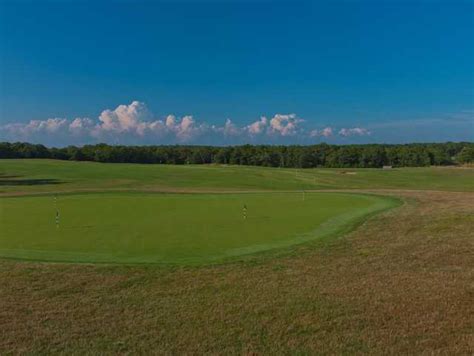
284	125
326	132
230	129
124	117
135	124
81	126
356	131
257	127
49	126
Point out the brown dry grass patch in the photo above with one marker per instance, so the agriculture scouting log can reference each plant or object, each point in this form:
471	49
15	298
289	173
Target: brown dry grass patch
401	283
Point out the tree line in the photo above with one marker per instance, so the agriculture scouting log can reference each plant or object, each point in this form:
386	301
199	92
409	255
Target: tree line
320	155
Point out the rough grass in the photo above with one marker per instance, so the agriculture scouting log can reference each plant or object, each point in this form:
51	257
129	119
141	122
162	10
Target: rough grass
399	284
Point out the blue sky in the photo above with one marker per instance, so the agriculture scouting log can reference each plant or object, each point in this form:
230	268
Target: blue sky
206	71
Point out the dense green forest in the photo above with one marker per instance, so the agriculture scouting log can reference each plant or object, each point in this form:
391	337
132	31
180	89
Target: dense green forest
321	155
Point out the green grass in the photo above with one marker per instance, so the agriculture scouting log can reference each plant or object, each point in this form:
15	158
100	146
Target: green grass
399	284
127	227
30	176
173	228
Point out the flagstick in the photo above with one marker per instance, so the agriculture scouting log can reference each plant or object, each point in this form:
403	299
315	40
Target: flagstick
57	211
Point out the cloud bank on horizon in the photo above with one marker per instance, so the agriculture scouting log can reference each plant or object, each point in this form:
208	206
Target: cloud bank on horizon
135	124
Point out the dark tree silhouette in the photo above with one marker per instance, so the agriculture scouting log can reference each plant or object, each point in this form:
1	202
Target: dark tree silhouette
321	155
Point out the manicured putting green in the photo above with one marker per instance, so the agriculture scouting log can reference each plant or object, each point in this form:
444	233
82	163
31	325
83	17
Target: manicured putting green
172	228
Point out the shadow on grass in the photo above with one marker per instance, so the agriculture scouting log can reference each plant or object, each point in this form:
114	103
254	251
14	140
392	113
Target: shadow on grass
20	182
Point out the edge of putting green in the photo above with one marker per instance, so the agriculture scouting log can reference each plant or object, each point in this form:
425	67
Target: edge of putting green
327	232
331	229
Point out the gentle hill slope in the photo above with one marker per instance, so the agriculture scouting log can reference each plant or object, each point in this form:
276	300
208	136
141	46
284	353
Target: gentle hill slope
36	175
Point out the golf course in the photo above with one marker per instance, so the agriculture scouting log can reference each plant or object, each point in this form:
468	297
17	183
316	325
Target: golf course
235	259
236	178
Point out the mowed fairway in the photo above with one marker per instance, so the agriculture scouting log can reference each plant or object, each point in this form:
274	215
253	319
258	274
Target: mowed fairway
173	228
26	176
